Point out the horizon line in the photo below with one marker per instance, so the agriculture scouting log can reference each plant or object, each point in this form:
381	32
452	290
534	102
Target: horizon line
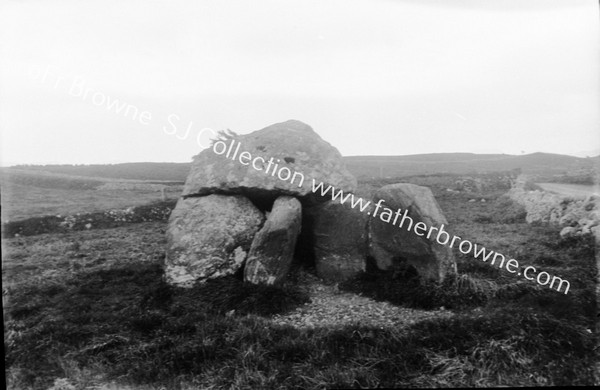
2	165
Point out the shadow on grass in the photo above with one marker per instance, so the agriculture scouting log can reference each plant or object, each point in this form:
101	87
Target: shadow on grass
102	309
404	287
133	327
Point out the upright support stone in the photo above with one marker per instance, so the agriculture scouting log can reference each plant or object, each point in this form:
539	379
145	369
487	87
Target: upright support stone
272	249
340	240
209	237
391	244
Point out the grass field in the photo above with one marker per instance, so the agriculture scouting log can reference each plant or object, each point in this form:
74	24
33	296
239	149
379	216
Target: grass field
89	309
552	167
28	193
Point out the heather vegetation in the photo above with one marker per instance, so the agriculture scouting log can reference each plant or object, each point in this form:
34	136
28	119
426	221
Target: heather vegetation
89	308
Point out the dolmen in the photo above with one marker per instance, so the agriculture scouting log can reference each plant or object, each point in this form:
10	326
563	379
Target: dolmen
254	203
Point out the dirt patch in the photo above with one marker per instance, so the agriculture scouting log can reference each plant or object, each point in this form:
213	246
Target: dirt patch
331	307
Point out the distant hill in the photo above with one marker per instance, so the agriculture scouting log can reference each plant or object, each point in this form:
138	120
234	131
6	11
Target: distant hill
128	171
545	164
541	164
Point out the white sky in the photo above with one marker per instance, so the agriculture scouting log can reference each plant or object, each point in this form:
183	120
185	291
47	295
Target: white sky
371	77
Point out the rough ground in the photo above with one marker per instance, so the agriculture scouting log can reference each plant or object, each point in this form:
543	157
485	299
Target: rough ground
330	307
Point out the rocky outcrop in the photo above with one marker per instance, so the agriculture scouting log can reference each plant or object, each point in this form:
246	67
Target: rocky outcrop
209	237
541	207
581	217
575	216
272	249
282	159
392	244
339	238
485	182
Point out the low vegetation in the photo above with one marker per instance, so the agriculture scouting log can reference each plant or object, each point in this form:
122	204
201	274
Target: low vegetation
404	287
135	171
31	193
503	210
158	211
26	178
89	309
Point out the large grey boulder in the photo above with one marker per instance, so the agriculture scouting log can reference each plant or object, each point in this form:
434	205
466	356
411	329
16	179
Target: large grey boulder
390	244
282	159
272	249
339	237
209	237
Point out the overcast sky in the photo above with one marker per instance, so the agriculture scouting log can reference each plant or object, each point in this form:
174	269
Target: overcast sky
371	77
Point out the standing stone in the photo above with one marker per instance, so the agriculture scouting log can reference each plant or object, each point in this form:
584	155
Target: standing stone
272	249
209	237
282	159
339	240
390	244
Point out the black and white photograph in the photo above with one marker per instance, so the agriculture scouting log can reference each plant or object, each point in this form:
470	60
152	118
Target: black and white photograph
300	194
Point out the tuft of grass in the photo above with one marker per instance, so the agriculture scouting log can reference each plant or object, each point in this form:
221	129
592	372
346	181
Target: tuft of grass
408	289
467	284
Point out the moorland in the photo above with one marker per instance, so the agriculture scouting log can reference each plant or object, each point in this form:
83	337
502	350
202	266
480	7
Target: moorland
85	305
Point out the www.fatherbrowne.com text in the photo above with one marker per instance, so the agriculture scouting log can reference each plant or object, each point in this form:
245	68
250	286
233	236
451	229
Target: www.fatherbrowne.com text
385	214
